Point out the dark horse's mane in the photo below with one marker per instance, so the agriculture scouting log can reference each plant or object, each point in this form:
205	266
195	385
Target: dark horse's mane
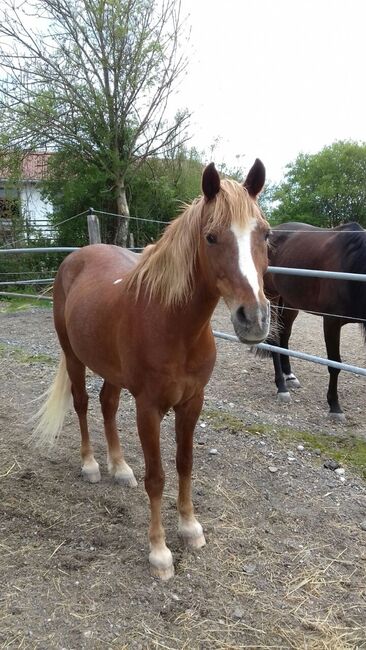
353	251
353	248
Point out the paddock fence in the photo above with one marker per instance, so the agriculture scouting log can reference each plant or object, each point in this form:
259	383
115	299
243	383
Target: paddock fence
94	236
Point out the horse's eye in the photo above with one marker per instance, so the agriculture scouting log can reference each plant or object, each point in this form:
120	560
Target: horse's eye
212	239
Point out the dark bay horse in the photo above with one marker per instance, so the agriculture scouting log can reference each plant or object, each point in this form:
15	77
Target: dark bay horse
300	245
142	322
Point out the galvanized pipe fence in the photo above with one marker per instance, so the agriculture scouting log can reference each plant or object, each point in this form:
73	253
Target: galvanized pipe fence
94	237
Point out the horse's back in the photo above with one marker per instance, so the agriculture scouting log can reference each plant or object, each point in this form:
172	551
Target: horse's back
303	246
311	247
95	263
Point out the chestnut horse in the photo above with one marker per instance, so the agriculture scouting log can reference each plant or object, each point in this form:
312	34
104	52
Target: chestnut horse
142	322
300	245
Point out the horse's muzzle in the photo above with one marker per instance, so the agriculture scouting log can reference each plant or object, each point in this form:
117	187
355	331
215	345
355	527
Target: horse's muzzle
251	324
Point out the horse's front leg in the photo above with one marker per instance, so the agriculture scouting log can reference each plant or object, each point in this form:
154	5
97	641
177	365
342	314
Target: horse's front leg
283	394
148	424
288	318
186	416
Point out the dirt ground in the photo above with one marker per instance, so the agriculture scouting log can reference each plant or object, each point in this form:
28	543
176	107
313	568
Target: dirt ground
285	561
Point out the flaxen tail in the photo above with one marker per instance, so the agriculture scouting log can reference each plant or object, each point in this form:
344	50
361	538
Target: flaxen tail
51	415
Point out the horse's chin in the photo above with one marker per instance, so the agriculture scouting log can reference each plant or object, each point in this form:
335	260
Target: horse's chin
251	338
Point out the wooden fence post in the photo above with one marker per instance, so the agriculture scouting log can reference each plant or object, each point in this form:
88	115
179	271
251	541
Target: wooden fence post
93	228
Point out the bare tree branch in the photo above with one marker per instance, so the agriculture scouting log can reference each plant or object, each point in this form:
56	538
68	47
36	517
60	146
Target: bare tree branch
92	75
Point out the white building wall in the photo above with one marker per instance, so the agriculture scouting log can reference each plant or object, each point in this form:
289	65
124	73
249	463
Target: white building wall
35	209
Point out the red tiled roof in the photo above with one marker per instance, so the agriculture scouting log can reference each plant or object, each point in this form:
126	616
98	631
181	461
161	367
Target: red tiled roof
34	166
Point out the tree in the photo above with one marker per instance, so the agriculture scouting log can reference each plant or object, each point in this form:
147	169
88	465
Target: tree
95	80
266	200
155	192
324	189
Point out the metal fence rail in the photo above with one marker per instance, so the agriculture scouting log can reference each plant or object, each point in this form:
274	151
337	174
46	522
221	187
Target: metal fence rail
298	355
13	294
7	283
47	249
314	273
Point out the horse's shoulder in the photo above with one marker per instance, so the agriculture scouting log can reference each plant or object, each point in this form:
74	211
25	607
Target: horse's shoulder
97	260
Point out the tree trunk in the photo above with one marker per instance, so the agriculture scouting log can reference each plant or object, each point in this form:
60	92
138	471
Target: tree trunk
121	232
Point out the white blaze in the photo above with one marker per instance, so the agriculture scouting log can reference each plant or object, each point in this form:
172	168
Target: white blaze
246	262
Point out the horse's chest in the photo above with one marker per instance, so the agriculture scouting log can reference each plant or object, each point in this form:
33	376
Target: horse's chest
178	380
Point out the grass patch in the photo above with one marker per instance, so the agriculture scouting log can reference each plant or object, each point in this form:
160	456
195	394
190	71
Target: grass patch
347	448
21	356
9	305
223	421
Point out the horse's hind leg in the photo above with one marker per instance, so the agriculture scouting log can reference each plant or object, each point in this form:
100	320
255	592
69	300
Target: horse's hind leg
118	468
76	371
186	416
332	336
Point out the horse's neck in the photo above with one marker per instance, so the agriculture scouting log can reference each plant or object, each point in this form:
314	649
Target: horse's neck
197	311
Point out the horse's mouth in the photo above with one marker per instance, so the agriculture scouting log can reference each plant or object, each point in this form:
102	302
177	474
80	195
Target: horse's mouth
251	325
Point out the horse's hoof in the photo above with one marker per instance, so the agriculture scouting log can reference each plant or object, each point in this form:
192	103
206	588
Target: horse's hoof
195	542
293	382
162	574
122	474
161	563
337	417
284	398
90	471
90	475
191	532
125	479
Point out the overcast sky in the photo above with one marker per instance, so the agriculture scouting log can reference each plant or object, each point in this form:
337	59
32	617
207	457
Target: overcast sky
272	78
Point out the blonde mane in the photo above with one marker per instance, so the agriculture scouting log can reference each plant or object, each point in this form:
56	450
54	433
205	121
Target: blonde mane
166	269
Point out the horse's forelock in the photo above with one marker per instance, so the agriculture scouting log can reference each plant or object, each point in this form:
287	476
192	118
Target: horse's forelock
233	205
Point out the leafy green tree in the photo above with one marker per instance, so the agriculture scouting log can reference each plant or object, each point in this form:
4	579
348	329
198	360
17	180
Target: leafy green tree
324	189
155	192
266	200
72	187
159	191
93	77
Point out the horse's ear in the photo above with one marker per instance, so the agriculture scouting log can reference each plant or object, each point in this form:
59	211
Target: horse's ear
210	181
255	180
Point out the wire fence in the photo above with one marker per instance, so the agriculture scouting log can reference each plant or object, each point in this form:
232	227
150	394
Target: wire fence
17	247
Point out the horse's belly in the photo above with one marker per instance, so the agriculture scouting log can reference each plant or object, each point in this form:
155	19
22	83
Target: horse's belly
93	334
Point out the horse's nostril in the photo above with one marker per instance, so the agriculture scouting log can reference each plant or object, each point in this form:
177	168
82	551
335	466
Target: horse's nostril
240	314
